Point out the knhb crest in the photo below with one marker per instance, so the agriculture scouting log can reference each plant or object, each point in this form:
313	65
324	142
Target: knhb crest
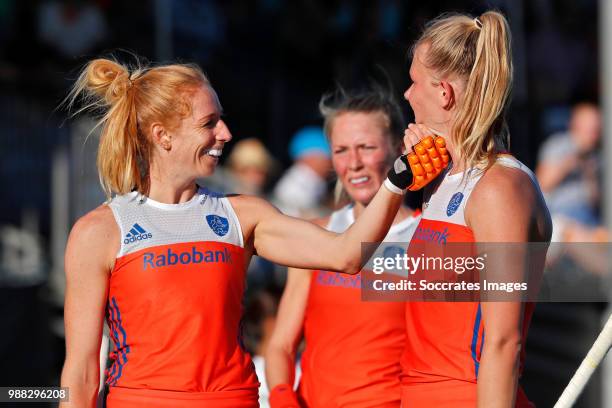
454	203
218	224
392	251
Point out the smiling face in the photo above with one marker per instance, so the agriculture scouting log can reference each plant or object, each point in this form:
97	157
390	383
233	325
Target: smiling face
197	142
361	153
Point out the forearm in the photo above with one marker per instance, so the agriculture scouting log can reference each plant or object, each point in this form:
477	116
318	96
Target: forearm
409	172
498	374
371	226
280	367
83	386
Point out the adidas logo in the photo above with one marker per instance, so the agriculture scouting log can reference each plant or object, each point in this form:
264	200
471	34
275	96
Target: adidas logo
137	233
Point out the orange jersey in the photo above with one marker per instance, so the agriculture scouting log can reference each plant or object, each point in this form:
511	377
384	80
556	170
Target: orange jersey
445	340
174	303
120	397
353	347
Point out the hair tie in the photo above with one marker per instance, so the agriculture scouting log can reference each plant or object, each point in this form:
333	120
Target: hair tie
478	23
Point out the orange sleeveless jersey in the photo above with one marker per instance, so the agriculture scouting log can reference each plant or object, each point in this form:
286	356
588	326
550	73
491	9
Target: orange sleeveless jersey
353	347
445	339
174	307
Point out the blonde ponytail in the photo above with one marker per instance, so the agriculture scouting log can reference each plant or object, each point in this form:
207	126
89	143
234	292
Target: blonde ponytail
478	50
129	103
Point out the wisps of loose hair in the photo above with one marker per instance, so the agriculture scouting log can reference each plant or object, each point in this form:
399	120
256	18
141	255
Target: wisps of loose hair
128	100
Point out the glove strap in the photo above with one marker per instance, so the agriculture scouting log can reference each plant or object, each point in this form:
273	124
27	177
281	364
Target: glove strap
393	188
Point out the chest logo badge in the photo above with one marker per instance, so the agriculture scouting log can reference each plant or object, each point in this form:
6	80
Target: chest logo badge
218	224
454	203
392	251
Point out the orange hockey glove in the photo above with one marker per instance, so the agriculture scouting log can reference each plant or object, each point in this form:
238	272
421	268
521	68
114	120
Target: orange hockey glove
419	167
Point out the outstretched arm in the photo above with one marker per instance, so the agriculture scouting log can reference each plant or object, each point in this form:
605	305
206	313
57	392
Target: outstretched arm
89	259
302	244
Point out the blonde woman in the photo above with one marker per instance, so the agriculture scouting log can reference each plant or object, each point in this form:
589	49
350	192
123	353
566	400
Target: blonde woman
164	260
466	354
353	347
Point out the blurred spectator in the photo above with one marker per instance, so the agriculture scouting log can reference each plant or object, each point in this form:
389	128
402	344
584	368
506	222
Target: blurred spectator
302	188
568	167
251	165
248	170
568	170
71	28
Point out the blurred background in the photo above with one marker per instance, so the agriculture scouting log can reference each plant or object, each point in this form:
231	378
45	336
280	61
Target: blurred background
270	61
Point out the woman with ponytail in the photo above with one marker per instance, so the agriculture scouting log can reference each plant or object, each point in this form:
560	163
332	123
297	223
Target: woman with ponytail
467	354
353	347
164	259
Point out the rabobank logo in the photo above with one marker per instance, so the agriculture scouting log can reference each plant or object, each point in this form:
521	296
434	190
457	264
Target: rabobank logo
454	203
151	260
431	235
218	224
137	233
325	278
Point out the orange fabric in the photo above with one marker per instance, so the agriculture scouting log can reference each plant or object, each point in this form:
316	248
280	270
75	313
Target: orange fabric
445	339
120	397
449	394
427	161
174	314
283	396
352	346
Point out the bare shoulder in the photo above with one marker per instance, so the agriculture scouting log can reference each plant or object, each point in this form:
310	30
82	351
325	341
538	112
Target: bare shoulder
95	234
96	223
244	202
508	196
251	208
503	186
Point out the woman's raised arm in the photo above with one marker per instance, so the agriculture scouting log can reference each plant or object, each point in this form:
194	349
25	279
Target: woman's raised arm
301	244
